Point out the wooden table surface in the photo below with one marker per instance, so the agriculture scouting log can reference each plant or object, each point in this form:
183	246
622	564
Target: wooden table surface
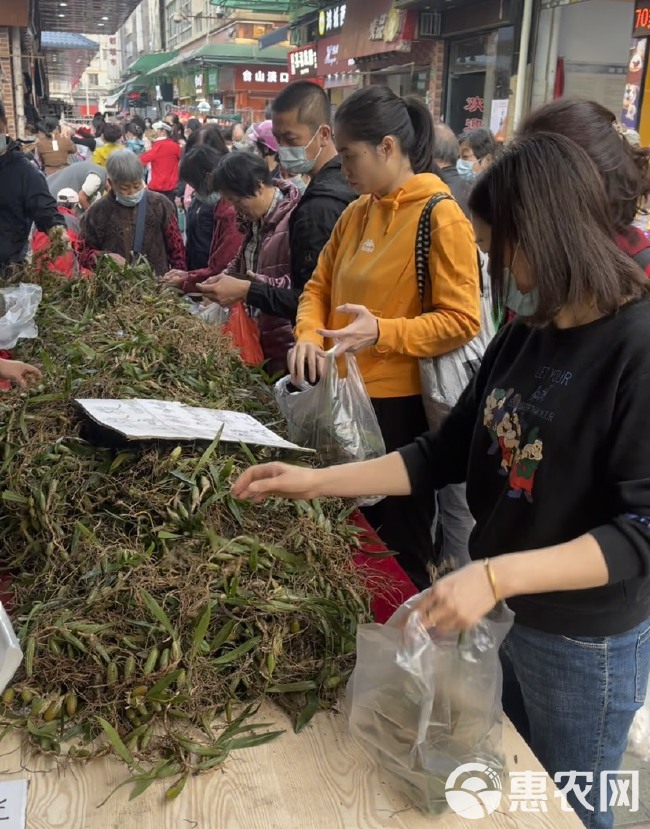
319	779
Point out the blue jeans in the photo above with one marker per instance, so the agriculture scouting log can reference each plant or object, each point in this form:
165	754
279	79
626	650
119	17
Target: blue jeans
573	700
457	524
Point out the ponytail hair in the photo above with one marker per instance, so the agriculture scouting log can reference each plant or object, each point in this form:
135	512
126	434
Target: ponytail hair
374	112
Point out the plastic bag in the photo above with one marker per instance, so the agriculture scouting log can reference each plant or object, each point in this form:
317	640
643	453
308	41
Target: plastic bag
639	737
335	417
425	703
212	313
10	653
245	335
17	323
444	378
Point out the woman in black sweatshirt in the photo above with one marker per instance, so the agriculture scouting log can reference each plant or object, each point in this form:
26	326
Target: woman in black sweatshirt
553	439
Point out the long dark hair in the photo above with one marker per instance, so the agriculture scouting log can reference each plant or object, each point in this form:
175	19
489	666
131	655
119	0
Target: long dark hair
372	113
624	169
481	141
543	196
210	135
198	165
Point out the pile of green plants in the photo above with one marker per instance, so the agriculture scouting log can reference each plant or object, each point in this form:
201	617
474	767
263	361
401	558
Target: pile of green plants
155	611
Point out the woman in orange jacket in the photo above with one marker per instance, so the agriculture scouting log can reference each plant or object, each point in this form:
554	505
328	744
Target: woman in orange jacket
366	273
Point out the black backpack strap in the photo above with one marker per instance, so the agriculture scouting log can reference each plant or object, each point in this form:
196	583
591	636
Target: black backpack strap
141	215
423	244
642	258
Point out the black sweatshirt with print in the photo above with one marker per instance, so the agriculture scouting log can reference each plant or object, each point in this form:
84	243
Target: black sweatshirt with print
553	439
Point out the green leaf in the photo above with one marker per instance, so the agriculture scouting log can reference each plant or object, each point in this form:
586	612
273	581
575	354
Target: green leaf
293	687
141	787
307	713
201	629
223	635
209	452
234	654
158	613
253	740
14	498
114	738
163	684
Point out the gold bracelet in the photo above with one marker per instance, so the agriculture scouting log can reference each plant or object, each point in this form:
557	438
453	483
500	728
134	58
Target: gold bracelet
492	579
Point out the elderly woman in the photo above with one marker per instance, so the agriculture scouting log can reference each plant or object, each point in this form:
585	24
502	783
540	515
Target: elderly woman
265	207
110	224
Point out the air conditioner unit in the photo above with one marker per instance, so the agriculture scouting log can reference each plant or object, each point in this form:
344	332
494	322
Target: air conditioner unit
429	24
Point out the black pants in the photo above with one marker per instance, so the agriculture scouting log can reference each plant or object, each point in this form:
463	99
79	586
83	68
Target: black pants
404	523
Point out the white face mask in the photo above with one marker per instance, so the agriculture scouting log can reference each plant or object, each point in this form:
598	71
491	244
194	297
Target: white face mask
294	159
466	169
130	201
524	305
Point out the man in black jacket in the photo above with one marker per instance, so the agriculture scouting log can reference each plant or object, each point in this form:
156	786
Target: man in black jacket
24	198
446	156
302	125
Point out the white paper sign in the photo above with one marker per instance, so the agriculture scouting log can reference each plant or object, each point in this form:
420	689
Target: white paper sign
498	115
166	420
13	804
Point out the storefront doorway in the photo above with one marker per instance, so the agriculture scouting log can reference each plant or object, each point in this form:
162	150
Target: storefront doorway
479	80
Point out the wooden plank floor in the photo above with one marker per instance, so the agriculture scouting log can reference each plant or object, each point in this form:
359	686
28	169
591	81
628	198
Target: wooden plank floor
319	779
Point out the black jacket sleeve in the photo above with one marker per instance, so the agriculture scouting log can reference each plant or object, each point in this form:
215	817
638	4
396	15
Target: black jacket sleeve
277	302
40	205
85	141
310	231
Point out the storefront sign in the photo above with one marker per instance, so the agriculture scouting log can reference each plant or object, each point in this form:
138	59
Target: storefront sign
641	23
261	78
634	85
175	89
303	63
331	59
476	105
374	28
198	82
331	20
213	80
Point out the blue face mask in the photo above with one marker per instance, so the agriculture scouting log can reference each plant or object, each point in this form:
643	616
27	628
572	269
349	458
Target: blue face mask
209	198
130	201
466	169
524	305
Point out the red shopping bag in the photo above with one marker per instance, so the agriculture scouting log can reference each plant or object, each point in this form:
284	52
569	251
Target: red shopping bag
388	584
245	335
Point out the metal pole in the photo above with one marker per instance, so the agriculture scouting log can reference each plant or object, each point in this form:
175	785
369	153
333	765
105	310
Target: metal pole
87	96
524	42
18	80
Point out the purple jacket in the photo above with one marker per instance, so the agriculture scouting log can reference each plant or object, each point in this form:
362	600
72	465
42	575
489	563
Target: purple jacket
274	269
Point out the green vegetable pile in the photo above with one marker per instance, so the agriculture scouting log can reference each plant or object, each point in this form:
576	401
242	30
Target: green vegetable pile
154	610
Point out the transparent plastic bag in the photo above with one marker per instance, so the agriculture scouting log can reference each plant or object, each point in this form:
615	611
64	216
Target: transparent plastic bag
20	306
639	737
213	313
335	417
425	703
11	654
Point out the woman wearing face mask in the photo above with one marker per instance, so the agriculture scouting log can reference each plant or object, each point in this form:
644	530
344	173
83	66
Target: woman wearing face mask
133	135
196	169
267	147
109	226
478	149
364	297
563	529
265	207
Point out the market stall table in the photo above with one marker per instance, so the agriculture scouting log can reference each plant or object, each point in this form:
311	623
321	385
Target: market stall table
319	779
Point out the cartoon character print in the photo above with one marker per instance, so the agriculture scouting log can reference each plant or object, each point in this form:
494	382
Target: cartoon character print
505	427
509	434
493	414
524	467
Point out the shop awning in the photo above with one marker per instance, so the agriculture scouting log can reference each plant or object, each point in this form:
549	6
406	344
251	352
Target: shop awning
226	53
274	37
147	63
88	16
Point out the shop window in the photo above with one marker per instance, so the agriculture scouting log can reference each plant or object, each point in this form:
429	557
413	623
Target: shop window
479	80
412	82
93	79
